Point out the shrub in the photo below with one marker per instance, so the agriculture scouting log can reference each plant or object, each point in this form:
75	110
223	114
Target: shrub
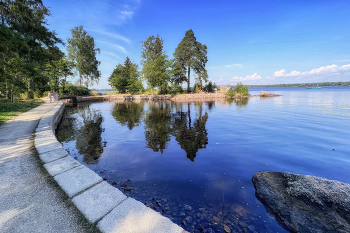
239	89
210	87
73	90
176	89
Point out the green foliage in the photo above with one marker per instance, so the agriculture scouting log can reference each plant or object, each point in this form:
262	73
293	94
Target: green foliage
191	54
126	77
151	49
176	89
210	87
196	89
177	72
32	44
155	64
74	90
81	49
157	75
57	71
239	89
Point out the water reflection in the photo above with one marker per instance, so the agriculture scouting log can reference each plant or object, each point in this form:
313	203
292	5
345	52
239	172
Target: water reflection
164	119
239	102
128	113
88	140
158	126
191	137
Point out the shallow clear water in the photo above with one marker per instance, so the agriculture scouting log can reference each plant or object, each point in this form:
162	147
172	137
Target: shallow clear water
194	155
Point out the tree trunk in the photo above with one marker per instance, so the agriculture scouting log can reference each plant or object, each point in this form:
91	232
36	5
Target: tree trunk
30	94
188	80
64	84
13	91
189	115
2	15
7	93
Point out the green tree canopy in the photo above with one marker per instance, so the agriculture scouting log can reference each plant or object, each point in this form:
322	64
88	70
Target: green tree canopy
81	49
191	54
28	19
155	64
126	77
13	51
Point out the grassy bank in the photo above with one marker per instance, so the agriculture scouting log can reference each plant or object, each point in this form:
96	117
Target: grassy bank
9	110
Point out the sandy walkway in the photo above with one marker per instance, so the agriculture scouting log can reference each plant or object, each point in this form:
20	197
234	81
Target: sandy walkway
28	201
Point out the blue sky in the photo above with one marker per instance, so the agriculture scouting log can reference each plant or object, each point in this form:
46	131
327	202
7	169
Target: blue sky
255	42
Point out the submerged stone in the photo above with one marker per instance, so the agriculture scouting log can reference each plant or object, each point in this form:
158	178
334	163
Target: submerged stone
303	203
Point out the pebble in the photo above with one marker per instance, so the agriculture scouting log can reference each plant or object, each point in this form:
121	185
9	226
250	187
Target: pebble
188	219
216	219
227	229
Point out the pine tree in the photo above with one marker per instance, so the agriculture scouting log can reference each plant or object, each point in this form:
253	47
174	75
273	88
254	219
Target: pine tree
191	54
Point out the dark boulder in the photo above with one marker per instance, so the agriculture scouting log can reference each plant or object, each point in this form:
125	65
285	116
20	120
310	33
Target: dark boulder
303	203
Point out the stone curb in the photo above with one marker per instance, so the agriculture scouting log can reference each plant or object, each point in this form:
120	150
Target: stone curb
97	200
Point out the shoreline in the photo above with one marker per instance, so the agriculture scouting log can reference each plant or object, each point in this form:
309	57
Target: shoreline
177	98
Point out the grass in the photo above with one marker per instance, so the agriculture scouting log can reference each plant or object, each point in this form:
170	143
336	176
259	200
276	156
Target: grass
9	110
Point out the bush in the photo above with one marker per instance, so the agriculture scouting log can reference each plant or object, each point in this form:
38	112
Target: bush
74	90
210	87
176	89
239	89
38	94
196	89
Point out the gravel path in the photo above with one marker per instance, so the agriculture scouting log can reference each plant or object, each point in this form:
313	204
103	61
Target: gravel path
29	201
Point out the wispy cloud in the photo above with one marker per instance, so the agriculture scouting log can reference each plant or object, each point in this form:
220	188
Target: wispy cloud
112	35
125	15
115	46
233	65
109	54
323	70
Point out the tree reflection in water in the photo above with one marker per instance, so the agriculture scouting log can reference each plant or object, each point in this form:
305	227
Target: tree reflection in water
89	141
239	102
128	113
191	137
158	126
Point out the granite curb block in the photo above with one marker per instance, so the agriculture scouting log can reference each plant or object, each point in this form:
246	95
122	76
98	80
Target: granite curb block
97	200
134	216
61	165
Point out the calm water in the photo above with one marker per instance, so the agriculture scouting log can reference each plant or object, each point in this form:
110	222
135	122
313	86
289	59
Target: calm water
193	162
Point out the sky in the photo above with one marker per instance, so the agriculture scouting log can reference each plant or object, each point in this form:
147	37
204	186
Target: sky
249	41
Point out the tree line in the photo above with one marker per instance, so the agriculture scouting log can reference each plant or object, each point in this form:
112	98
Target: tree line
319	84
31	61
161	73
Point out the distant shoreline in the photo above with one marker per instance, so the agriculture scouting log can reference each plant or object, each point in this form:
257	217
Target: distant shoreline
320	84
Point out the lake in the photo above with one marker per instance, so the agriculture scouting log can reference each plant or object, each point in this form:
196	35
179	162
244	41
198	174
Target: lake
193	161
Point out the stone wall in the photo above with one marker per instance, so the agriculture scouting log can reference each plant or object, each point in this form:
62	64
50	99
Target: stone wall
98	201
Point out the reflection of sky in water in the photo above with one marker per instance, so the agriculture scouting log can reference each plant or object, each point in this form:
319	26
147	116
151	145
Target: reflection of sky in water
291	133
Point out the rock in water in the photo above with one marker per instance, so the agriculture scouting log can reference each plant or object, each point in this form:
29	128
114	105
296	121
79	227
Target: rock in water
303	203
227	229
267	94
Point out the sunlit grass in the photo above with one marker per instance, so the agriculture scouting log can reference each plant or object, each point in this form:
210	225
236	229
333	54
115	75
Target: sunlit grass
9	110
